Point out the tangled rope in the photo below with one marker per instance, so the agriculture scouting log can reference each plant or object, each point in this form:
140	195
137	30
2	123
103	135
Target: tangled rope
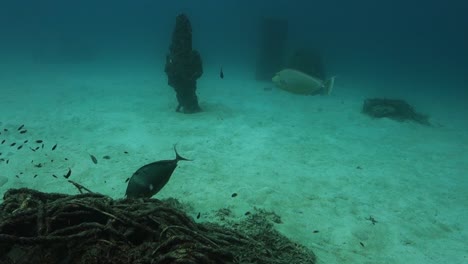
38	227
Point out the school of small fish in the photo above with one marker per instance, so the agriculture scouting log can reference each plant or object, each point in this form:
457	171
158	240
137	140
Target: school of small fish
145	182
14	140
18	140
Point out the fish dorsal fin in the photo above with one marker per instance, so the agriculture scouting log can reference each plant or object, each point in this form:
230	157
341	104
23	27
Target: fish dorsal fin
178	157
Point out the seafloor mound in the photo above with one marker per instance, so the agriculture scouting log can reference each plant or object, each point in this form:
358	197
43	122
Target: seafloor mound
394	109
38	227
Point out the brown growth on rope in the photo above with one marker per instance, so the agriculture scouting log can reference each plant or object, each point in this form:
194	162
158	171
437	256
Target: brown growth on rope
45	228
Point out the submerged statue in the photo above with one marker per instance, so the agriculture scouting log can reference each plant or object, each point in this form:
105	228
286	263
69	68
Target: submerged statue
395	109
184	66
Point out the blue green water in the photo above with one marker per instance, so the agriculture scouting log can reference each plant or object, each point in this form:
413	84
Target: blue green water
89	76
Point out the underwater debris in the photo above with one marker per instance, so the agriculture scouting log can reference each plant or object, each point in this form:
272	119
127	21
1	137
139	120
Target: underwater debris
85	228
371	219
395	109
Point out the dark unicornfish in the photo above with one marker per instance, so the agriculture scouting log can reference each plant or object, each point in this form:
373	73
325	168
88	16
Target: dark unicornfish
151	178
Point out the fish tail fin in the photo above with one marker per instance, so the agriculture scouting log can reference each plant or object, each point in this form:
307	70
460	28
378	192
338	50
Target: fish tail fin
329	85
179	157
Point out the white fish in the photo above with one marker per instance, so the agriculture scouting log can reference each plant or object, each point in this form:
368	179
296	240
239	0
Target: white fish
297	82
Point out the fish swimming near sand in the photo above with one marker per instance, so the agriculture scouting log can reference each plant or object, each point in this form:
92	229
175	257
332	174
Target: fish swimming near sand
151	178
297	82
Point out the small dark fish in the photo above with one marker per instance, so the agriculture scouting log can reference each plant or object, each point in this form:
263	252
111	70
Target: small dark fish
23	131
42	146
66	158
3	141
39	141
7	161
36	148
32	149
372	219
6	130
55	176
17	176
35	175
0	153
20	127
20	147
106	157
151	178
198	215
362	244
127	180
247	213
68	174
234	195
26	141
126	152
54	147
93	158
12	144
221	73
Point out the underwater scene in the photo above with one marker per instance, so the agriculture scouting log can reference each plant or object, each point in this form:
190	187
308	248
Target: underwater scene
233	131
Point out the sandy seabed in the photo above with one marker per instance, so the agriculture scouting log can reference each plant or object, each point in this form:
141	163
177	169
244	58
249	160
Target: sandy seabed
326	169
